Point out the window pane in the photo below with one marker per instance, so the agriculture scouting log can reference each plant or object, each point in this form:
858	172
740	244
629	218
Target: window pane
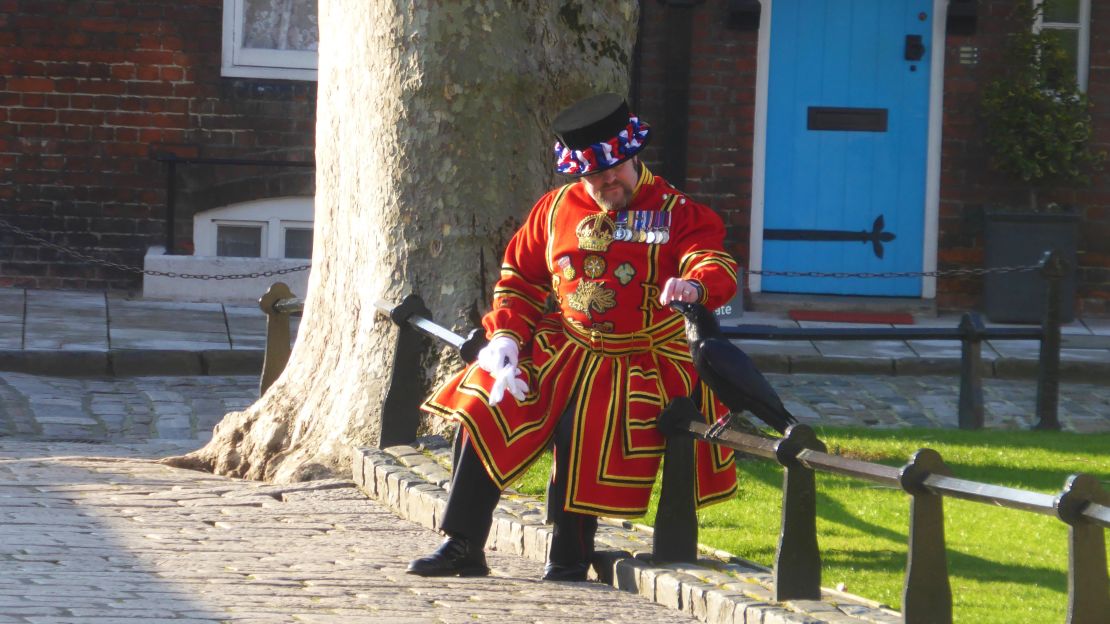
280	24
298	243
240	241
1062	11
1069	41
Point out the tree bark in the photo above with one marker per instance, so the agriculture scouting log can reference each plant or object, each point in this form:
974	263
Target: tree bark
432	142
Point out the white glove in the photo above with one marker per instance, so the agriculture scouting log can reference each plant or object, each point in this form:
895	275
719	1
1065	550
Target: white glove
502	351
506	379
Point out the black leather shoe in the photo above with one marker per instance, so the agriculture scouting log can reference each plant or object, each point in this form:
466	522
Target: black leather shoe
570	572
454	557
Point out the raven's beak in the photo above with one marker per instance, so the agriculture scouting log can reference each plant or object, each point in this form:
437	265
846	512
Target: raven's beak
680	306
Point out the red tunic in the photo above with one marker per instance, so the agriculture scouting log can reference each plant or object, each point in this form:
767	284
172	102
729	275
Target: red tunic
610	347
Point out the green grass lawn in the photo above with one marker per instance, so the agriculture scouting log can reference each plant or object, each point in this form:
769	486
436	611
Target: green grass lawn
1005	566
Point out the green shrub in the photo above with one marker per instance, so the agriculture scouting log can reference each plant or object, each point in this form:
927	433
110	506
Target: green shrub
1037	120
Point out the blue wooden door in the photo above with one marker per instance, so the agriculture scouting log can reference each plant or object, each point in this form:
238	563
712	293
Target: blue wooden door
847	119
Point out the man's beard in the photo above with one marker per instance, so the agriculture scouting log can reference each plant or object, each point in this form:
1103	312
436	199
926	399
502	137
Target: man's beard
615	205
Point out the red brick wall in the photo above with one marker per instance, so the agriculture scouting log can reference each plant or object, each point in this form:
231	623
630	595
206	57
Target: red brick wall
89	90
722	95
721	110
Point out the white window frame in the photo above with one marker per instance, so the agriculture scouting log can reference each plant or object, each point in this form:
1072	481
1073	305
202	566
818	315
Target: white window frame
256	63
274	216
1083	47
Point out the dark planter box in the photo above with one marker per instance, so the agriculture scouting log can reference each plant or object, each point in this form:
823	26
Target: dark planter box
1020	239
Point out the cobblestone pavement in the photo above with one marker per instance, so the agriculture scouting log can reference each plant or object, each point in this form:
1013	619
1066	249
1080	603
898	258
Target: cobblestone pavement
119	409
119	539
145	408
910	401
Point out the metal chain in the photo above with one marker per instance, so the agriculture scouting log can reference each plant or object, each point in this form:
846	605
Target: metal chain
893	274
134	269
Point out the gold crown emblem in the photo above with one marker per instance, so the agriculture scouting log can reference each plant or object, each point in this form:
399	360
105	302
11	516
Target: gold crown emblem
595	232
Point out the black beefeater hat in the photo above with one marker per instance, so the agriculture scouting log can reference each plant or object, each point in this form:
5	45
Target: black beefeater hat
596	134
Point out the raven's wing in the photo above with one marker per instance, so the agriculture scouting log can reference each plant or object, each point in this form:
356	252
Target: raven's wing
741	383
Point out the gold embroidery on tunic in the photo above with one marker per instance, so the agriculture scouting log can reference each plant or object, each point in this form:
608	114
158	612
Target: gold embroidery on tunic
592	296
595	232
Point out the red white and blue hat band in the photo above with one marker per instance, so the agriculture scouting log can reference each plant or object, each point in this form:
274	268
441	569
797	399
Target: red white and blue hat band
604	155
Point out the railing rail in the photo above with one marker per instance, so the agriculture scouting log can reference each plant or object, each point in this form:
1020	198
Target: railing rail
1082	504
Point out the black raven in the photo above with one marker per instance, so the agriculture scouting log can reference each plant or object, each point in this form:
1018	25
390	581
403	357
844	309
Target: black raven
729	372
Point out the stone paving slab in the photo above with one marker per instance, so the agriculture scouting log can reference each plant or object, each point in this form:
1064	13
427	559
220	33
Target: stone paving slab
11	305
11	334
858	348
771	347
1098	326
65	334
144	325
316	552
164	339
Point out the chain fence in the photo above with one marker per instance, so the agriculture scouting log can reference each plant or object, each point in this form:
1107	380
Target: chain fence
898	274
4	225
962	272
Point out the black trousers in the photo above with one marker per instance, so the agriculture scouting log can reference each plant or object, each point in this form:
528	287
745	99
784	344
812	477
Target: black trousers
474	497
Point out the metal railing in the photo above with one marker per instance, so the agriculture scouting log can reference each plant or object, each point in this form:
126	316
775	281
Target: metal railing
927	596
970	333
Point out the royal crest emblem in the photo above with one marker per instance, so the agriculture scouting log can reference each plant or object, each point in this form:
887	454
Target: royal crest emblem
595	232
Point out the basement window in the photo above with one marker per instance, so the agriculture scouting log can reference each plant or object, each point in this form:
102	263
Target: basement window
267	228
270	39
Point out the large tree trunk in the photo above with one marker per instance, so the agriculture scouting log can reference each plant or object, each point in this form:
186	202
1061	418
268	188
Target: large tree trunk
432	142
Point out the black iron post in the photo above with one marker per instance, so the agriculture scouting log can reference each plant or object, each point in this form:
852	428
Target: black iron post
971	372
927	595
1088	583
676	518
401	408
1053	269
797	574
